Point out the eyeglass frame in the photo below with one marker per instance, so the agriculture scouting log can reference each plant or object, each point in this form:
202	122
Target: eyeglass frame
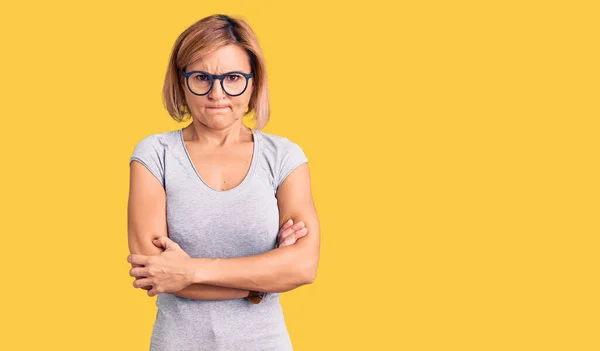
213	77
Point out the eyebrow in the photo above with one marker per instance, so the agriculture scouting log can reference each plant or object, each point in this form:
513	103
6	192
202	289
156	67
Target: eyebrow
223	72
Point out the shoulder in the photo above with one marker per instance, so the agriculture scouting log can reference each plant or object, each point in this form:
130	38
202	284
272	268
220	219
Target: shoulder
159	140
152	147
150	151
283	155
276	144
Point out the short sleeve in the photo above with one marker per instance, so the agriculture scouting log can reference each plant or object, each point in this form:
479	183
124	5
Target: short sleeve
292	157
150	152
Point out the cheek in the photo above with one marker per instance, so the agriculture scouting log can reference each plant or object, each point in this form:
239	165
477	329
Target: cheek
192	100
197	102
241	104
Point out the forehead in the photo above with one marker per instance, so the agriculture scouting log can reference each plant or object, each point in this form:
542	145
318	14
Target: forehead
225	59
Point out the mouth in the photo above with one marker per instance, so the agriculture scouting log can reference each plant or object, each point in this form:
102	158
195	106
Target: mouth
217	107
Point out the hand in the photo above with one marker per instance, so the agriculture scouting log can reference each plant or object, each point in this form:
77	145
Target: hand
147	287
290	233
164	273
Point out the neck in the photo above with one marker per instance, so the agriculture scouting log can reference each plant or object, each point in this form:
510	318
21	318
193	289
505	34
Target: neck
200	133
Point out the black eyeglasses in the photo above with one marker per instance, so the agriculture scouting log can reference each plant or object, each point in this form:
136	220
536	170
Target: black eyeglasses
200	83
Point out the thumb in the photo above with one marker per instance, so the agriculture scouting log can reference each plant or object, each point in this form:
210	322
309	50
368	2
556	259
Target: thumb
164	242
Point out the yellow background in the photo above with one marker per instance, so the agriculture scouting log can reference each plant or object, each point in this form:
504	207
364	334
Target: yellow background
453	148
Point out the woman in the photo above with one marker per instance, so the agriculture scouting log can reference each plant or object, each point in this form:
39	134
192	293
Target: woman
234	201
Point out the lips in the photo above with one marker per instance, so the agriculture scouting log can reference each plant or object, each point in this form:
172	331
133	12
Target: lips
216	107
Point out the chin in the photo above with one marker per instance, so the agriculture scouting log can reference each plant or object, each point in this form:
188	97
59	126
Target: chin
219	121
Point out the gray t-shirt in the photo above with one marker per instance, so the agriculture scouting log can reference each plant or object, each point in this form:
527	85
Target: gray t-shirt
211	223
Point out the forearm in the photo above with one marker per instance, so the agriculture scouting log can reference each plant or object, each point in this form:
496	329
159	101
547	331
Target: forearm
211	292
195	291
278	270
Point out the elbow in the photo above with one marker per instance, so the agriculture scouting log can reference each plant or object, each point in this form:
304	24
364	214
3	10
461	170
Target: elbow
301	275
310	278
309	273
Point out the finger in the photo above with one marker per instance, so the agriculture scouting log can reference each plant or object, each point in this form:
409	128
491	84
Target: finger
137	259
283	244
165	243
152	292
293	238
158	244
139	283
148	287
287	224
141	272
284	233
301	233
298	225
291	229
296	234
289	241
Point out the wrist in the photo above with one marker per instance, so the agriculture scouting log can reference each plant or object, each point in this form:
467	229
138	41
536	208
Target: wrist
198	270
190	271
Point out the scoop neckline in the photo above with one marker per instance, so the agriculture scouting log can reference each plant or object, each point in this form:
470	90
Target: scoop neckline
246	179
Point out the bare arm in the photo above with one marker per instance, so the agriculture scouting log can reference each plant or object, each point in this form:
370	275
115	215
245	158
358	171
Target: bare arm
278	270
146	220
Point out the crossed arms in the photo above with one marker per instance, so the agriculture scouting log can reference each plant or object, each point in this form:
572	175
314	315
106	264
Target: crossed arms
283	269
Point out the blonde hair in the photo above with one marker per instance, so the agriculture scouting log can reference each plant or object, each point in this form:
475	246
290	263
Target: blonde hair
207	35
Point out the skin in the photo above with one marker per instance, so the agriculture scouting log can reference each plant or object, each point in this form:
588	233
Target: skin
219	132
226	147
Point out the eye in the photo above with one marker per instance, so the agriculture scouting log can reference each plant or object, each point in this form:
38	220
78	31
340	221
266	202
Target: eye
201	77
233	78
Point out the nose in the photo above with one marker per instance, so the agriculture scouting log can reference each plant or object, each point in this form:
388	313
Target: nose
216	92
